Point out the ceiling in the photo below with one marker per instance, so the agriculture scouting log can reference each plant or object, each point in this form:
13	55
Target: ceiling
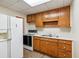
22	7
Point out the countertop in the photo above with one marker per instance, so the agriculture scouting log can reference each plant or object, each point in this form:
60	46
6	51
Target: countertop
60	37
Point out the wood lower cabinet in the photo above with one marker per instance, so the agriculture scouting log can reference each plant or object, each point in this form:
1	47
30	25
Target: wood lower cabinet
43	46
36	43
68	51
53	47
61	54
64	49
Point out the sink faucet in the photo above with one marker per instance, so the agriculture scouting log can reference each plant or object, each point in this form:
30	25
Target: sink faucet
57	36
50	35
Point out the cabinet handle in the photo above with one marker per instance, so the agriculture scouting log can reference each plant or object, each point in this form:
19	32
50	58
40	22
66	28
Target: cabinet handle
64	42
16	25
64	55
64	47
69	51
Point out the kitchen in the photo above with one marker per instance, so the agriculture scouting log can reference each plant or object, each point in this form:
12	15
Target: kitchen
48	29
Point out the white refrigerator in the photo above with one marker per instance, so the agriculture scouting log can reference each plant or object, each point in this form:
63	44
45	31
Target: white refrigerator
12	46
16	37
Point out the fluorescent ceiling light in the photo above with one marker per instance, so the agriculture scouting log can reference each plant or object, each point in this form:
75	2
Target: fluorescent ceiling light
33	3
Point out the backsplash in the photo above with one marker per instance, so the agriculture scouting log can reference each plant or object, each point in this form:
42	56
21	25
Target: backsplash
63	32
54	30
49	30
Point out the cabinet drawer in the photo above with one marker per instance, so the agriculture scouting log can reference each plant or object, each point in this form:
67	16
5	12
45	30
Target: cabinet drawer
68	55
68	47
68	42
61	46
65	41
61	54
64	54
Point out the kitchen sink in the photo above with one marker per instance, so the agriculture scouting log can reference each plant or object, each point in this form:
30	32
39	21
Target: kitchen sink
50	35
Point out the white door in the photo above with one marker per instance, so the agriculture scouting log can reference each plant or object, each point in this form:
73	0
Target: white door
3	22
17	37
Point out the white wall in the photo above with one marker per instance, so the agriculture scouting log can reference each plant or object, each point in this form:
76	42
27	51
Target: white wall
14	13
75	28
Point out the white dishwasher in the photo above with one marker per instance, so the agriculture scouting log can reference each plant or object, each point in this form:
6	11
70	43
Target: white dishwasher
4	48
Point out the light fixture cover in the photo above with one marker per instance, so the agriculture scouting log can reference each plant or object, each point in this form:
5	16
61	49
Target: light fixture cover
33	3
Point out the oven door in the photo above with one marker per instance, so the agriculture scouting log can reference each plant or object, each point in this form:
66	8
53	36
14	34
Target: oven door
27	40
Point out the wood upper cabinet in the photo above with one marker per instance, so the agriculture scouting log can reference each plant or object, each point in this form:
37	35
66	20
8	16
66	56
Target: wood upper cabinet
36	43
51	15
38	21
50	18
59	17
31	18
64	18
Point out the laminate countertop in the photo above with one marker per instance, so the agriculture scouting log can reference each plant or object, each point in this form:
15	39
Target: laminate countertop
56	37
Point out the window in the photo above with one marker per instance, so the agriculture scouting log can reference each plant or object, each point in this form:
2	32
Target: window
33	3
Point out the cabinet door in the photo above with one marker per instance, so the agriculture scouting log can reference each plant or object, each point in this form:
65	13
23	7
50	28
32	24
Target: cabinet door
3	22
68	51
51	15
62	46
52	48
61	53
39	21
50	18
36	43
29	17
33	18
64	18
43	46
